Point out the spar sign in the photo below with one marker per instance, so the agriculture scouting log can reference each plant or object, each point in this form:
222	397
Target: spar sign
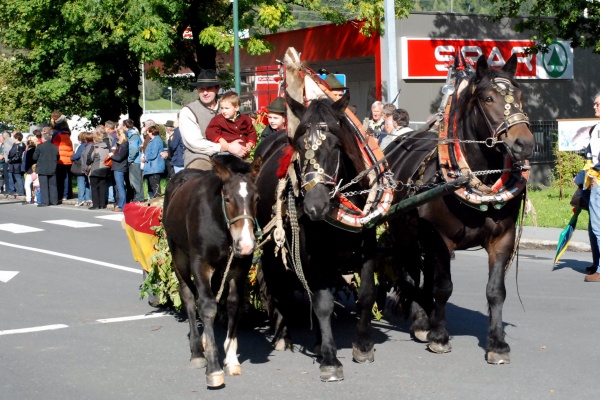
426	58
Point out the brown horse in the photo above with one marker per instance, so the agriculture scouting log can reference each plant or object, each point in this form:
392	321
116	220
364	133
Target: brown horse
489	133
207	215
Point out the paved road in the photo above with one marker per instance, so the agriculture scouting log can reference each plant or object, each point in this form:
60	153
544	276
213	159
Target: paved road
85	278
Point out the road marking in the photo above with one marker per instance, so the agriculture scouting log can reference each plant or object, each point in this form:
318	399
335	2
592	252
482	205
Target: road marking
6	276
112	217
16	228
132	318
87	260
34	329
71	224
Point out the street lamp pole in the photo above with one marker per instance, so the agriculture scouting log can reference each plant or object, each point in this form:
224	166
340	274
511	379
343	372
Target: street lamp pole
171	90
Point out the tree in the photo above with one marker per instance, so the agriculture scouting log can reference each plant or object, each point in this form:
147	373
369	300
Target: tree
577	21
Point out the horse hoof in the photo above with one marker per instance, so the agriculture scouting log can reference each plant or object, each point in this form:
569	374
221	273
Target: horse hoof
439	348
421	336
332	374
318	350
215	380
497	359
362	357
198	363
280	345
235	369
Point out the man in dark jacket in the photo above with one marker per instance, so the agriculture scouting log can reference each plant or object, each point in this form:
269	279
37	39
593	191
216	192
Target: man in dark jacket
46	155
175	145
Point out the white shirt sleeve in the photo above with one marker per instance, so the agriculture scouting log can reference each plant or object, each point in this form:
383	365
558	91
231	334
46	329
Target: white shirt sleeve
595	144
191	135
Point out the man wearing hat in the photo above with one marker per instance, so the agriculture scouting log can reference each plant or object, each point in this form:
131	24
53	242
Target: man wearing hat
335	87
195	117
276	117
175	146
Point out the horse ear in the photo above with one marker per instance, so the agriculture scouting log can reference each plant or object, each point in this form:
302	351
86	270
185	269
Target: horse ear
255	166
341	104
482	67
220	170
297	108
511	65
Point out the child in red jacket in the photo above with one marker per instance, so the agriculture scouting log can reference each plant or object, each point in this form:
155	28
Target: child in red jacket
230	125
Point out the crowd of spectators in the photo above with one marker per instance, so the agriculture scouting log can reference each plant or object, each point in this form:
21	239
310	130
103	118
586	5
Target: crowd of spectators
107	164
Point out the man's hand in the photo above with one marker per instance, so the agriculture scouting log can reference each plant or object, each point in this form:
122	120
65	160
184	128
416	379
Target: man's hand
236	147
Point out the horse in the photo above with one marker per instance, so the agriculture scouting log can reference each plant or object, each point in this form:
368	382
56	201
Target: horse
207	213
322	152
488	133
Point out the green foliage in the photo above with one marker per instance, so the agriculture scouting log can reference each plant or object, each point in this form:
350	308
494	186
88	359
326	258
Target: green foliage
552	208
573	20
162	280
568	164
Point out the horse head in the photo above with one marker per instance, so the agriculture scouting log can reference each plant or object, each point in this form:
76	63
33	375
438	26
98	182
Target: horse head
323	143
239	197
499	101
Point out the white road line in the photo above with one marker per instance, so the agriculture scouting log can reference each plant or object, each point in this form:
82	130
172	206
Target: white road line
34	329
132	318
111	217
16	228
71	224
87	260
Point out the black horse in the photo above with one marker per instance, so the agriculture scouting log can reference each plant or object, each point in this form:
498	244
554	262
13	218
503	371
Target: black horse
488	132
207	215
325	151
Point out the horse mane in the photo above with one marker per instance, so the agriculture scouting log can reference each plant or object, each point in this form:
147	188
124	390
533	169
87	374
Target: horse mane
233	162
321	110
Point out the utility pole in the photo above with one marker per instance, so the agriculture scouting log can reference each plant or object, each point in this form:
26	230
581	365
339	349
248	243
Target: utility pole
392	59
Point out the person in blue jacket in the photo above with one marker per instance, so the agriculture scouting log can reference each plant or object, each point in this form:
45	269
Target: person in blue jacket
154	165
134	160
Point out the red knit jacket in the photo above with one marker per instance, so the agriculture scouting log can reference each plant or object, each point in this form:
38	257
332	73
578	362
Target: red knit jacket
221	127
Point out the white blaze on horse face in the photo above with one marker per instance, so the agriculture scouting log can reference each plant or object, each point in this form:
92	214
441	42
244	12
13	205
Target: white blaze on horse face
246	240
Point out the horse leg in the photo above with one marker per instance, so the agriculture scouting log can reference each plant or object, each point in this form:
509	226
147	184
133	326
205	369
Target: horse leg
498	351
438	338
362	348
234	301
207	308
188	298
331	368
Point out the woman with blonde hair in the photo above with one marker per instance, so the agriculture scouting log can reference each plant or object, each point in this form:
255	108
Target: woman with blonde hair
99	172
119	155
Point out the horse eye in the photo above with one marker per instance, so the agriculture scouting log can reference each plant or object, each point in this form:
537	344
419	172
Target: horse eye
227	199
489	99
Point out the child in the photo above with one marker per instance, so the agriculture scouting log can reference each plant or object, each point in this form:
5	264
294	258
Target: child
230	125
276	116
36	185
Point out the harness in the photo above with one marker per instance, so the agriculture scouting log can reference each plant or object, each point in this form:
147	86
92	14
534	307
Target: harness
453	163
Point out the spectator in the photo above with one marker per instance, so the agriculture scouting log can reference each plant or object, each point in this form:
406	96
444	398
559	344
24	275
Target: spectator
388	125
194	119
376	123
27	167
231	126
134	160
62	140
35	182
594	208
119	155
2	164
15	159
79	168
46	157
155	163
276	118
9	186
98	171
401	120
175	145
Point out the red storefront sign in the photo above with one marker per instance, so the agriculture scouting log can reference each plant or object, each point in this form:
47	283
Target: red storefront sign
426	58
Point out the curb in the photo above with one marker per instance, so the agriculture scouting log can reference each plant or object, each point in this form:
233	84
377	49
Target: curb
533	244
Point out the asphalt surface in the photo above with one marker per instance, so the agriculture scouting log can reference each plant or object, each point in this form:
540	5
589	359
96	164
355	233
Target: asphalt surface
112	345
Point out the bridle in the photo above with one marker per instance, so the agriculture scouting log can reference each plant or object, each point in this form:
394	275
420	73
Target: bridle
511	117
231	221
312	143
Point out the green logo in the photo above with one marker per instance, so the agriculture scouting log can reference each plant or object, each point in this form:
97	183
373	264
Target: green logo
555	61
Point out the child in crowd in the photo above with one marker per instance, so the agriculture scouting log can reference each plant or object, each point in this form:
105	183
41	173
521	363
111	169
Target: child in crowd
230	125
276	117
36	185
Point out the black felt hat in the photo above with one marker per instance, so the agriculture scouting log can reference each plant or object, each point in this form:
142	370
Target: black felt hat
207	78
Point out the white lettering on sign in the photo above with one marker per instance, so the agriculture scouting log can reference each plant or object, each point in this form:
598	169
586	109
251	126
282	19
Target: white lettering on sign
471	52
444	54
523	58
495	58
